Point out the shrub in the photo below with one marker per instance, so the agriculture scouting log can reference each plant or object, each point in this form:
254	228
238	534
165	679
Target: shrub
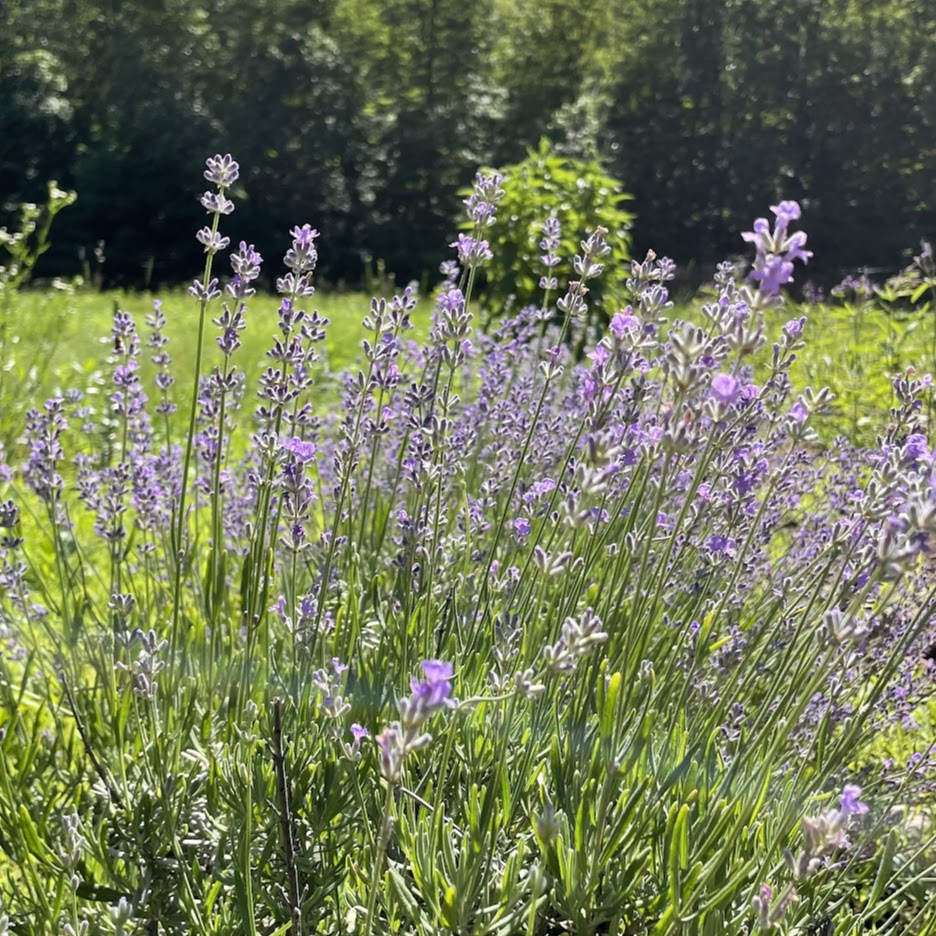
494	642
574	196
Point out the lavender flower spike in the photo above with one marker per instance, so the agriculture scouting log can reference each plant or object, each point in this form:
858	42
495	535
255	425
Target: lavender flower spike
850	802
776	250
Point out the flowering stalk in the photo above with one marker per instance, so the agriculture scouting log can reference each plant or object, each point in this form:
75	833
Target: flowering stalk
246	265
223	172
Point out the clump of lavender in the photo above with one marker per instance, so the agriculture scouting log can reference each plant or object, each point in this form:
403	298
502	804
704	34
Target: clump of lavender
676	622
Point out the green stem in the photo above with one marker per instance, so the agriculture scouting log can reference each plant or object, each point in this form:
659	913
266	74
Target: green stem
386	825
178	537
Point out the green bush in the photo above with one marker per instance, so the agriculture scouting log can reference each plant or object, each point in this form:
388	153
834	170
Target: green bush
582	196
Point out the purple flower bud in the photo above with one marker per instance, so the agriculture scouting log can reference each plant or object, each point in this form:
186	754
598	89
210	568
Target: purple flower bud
212	242
624	323
775	273
359	733
246	262
222	170
205	293
786	212
302	256
434	692
471	252
216	203
390	743
798	413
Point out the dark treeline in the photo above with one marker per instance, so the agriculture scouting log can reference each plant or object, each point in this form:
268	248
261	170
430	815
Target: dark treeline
365	117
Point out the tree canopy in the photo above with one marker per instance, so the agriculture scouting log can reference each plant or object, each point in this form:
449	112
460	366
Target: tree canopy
367	118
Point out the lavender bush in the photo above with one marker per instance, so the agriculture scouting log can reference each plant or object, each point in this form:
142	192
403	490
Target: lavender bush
491	642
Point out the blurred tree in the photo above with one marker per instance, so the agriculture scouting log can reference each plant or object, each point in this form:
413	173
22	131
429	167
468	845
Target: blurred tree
717	108
432	112
37	132
366	118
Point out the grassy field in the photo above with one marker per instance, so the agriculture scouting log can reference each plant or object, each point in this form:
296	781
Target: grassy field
59	333
57	339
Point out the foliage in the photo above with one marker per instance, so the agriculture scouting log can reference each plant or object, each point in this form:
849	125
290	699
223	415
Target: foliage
864	336
578	194
732	102
372	116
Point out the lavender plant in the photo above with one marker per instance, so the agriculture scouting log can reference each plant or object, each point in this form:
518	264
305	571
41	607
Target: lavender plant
661	633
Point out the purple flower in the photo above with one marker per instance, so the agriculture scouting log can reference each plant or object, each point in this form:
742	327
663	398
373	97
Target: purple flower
205	293
775	273
434	692
303	451
302	256
760	236
216	203
776	250
471	252
481	205
786	212
624	323
794	249
600	355
916	448
390	743
212	242
246	262
303	236
222	170
794	328
851	805
798	413
552	233
725	389
359	733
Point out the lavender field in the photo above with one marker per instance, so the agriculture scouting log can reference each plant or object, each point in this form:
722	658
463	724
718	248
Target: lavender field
432	618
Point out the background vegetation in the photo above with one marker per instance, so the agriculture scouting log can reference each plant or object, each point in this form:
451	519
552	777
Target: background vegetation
367	118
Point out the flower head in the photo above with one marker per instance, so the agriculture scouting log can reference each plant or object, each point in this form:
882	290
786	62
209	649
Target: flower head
777	250
725	389
222	170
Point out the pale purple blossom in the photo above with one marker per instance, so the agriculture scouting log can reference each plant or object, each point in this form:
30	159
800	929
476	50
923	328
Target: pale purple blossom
725	388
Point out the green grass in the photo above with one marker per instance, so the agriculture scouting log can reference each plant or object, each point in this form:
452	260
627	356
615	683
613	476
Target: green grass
62	331
856	353
60	341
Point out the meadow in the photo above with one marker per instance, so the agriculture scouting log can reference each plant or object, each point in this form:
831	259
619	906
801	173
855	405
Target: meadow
337	614
61	336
